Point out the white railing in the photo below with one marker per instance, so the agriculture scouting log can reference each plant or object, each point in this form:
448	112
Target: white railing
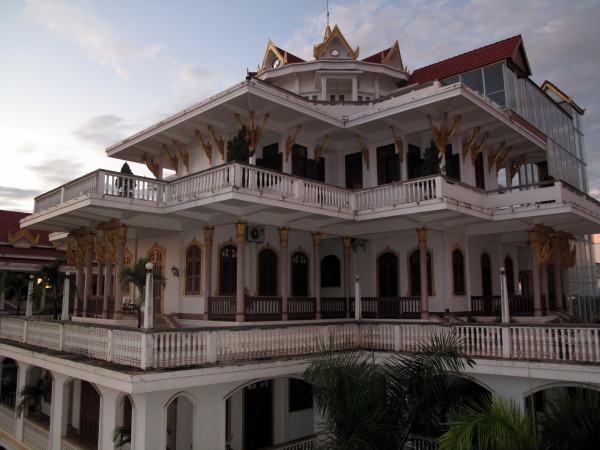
34	436
202	184
66	445
44	334
306	443
127	186
82	186
266	182
399	193
323	194
7	419
187	347
48	200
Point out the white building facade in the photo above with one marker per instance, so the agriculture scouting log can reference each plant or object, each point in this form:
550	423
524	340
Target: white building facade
261	257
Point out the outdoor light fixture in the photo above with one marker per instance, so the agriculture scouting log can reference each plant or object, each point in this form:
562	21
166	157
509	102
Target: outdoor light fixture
175	271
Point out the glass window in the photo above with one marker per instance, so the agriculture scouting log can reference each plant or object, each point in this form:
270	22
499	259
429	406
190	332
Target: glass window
314	98
530	103
494	84
522	92
571	137
511	82
547	123
458	272
300	278
559	128
553	126
474	80
193	260
451	80
565	130
539	118
551	158
341	98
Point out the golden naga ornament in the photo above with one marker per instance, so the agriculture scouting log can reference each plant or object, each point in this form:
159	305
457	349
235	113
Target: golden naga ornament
253	134
515	169
468	145
207	147
493	158
364	150
152	165
539	240
320	149
219	142
500	162
442	135
399	144
289	143
174	160
184	156
476	149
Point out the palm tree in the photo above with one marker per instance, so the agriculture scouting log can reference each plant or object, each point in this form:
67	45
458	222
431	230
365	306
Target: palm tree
570	422
33	394
368	406
121	435
136	274
51	276
14	286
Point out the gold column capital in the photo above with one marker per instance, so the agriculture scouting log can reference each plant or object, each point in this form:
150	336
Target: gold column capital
284	233
347	240
240	230
209	232
539	240
317	235
422	236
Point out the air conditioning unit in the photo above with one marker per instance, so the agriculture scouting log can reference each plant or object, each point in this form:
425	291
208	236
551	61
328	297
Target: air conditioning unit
357	242
255	233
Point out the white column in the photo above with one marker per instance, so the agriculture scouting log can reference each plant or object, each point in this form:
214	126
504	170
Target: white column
422	235
323	89
209	423
21	381
354	89
118	310
207	266
107	288
240	226
29	302
347	240
283	270
149	299
317	271
108	417
79	281
65	302
87	289
59	408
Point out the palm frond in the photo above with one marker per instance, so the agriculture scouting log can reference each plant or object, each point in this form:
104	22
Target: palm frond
121	436
32	394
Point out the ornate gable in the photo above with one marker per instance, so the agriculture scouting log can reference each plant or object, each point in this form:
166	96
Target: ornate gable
276	57
23	238
335	46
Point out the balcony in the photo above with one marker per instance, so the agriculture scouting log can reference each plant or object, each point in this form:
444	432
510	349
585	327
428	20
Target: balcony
235	184
219	344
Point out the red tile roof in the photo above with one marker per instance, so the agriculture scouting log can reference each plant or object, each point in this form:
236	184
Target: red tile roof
291	59
9	220
32	251
378	57
480	57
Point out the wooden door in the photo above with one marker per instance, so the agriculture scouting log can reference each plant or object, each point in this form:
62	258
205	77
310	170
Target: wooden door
258	415
89	417
228	270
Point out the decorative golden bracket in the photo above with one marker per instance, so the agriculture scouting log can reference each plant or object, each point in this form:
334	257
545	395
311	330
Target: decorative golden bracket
500	163
442	135
364	150
289	143
515	169
493	158
476	150
220	143
319	150
239	120
468	145
399	144
253	134
173	159
206	147
152	165
185	156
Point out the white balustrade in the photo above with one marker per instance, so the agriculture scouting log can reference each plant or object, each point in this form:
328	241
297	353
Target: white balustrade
557	343
48	200
44	334
399	193
307	443
65	445
88	341
7	419
127	348
266	181
82	186
34	436
180	348
197	186
128	186
378	337
11	329
326	195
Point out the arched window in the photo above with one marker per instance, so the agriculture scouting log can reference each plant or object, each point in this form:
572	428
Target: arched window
486	275
8	390
228	270
299	275
458	272
387	274
510	275
156	255
193	262
330	271
267	273
414	273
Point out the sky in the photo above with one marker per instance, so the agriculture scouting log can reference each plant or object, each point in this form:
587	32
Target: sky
77	76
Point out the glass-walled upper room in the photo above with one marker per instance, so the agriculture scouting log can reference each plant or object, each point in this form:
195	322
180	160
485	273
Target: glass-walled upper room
507	89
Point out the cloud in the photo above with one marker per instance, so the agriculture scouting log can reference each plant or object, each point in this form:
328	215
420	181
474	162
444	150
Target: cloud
76	24
561	40
15	199
191	85
70	168
105	130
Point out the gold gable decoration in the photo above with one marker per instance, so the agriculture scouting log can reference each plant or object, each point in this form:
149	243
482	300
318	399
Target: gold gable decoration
493	159
278	55
289	143
220	142
476	149
253	133
152	165
442	135
320	149
398	141
174	160
184	156
25	234
364	150
206	147
468	145
319	49
515	169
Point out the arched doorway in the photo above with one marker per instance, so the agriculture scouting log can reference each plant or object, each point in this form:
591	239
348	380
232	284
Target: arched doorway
299	275
387	275
156	255
89	416
228	270
180	423
414	275
486	275
267	273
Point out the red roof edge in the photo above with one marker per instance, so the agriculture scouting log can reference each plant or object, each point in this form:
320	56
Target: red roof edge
291	59
378	57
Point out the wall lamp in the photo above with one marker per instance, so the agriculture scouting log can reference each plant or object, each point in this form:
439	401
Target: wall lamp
175	271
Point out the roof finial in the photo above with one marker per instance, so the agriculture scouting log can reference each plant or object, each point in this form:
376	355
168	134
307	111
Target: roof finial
327	29
327	13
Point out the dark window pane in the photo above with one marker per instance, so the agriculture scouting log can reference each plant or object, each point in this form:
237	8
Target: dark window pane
330	271
474	80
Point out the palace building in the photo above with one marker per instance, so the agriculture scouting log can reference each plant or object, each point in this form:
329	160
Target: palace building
342	186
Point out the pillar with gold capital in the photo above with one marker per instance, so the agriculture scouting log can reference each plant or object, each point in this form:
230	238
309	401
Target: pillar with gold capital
556	273
88	244
422	236
206	267
347	241
284	233
240	230
120	239
317	235
536	243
